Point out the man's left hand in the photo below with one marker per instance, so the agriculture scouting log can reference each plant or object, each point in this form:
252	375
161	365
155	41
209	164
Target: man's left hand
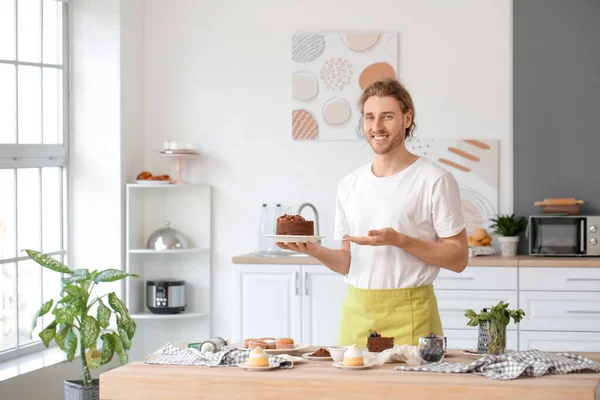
381	237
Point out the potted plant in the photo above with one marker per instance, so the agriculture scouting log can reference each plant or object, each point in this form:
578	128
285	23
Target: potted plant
509	227
74	322
494	321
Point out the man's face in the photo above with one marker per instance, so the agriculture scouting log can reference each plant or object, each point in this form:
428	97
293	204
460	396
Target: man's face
384	123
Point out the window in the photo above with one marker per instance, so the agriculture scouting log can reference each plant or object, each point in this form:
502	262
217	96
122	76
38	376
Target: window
33	163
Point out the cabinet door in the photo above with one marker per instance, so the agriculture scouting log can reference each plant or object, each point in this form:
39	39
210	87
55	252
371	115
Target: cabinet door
478	278
323	293
266	302
452	305
466	339
560	341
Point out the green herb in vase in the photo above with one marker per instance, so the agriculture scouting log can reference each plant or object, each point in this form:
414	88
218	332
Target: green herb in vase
498	318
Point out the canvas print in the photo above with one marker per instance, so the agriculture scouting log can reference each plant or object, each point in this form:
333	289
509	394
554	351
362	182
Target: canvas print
329	72
475	165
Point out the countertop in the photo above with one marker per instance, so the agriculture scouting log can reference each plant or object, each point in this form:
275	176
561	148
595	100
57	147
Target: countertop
319	379
480	261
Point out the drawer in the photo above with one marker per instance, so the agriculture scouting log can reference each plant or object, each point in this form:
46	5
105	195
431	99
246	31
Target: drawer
560	311
560	341
452	305
564	279
478	278
462	339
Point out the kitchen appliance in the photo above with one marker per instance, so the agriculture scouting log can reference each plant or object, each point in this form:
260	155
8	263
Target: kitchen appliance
165	296
167	238
564	235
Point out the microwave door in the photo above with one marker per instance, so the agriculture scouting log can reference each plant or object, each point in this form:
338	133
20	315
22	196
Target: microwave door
558	236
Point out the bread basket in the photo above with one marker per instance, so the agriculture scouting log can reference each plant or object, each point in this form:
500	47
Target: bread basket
568	206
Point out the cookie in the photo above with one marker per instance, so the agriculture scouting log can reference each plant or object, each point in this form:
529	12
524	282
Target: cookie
479	234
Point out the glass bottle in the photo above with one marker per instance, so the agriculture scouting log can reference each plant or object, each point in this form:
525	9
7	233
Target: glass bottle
264	229
273	248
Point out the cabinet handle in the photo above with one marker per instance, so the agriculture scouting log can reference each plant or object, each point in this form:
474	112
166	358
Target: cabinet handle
582	312
583	279
306	283
582	238
296	276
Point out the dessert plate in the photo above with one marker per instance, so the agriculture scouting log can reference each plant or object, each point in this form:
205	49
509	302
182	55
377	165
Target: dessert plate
297	347
340	364
309	357
152	183
251	368
294	239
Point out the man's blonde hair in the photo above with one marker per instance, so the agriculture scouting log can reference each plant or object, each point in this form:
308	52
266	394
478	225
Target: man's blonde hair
390	87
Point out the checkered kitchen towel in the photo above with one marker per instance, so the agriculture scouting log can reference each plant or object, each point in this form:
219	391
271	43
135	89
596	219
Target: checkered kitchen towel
227	357
513	365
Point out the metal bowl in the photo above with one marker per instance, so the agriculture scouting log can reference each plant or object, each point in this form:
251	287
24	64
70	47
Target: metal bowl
167	239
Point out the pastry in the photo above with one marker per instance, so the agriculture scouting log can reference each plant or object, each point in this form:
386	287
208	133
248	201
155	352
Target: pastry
271	343
165	178
479	234
473	242
143	175
353	357
246	341
376	343
321	353
258	358
294	225
252	344
284	343
486	240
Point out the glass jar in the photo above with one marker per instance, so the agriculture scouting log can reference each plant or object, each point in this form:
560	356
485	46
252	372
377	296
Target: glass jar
432	348
497	337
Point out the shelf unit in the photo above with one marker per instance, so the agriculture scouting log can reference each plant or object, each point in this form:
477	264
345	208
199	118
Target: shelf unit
188	208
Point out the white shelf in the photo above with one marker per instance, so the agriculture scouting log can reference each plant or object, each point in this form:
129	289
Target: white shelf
171	186
183	315
150	251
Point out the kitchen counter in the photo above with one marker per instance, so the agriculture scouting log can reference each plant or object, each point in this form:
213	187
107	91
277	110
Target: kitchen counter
319	379
481	261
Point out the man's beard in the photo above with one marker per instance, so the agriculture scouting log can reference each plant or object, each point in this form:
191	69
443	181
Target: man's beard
393	143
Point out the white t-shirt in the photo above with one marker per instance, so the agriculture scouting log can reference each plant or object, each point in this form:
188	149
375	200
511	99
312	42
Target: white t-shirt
422	201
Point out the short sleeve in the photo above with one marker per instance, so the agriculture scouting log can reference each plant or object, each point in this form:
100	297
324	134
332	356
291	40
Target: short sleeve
341	227
448	219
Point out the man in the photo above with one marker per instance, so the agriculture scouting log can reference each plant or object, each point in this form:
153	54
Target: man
400	220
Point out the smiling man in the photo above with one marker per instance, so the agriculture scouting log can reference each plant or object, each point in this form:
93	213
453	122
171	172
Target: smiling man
400	220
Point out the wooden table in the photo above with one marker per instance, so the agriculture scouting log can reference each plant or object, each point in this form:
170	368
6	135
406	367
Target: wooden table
319	379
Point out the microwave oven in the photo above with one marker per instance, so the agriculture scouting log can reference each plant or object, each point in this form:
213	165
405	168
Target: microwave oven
564	235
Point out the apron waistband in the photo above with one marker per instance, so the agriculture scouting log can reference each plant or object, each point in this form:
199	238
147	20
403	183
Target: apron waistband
417	292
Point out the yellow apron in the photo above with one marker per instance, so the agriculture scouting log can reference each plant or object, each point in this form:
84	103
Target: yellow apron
404	314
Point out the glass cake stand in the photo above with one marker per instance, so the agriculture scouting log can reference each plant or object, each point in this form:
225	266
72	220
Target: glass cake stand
179	156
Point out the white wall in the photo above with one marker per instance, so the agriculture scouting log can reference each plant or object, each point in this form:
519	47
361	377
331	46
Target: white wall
218	74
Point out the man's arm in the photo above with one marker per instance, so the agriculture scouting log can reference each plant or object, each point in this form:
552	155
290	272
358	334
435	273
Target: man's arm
336	260
451	253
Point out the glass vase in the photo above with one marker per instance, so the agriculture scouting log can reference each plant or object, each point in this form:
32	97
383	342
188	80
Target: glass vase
497	338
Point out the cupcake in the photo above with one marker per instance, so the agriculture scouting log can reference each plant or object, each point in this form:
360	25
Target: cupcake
258	358
284	343
254	343
353	357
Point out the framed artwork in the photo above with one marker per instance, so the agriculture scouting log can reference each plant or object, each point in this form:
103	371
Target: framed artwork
329	72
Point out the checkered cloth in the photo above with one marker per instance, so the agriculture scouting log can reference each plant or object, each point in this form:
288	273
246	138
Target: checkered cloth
227	357
513	365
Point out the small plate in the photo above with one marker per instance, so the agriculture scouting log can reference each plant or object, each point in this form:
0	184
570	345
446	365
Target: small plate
294	239
249	368
309	357
152	183
340	364
297	347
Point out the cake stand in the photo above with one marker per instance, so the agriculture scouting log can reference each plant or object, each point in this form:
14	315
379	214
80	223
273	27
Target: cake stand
179	156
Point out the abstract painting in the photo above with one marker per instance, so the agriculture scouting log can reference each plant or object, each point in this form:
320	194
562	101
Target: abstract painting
329	72
475	165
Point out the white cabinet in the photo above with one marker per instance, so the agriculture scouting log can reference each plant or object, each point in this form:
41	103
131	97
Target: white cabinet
560	341
266	301
300	302
478	278
323	294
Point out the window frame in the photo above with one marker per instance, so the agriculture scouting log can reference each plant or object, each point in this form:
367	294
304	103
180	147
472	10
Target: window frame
18	156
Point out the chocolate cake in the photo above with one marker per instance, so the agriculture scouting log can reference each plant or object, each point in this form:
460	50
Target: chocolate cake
294	225
377	344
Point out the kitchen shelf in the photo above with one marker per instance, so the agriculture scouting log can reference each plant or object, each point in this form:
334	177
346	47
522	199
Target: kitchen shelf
182	251
183	315
171	186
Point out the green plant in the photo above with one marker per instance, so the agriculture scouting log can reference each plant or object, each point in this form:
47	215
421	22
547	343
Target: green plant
498	317
509	225
72	314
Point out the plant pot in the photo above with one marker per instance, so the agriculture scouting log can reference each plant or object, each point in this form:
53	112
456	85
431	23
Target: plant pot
508	245
497	338
74	390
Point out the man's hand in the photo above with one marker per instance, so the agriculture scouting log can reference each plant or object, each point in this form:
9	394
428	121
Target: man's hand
306	248
381	237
